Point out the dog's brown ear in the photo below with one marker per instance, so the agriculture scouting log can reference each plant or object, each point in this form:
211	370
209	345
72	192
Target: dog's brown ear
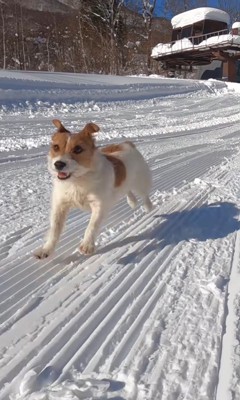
59	126
90	128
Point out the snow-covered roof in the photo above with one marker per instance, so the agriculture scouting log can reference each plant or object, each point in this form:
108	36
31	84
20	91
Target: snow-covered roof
199	14
236	25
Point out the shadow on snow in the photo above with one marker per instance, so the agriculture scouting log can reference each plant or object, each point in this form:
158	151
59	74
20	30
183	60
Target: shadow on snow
208	222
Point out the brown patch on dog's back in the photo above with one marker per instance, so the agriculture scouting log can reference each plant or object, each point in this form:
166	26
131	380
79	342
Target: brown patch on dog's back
114	148
131	144
119	169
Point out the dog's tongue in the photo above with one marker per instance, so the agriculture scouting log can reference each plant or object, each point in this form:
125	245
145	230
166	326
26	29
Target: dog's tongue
62	175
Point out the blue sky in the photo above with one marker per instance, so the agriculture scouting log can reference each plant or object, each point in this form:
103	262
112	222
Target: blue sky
160	5
159	10
213	3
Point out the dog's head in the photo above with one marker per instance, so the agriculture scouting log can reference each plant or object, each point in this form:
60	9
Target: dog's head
71	154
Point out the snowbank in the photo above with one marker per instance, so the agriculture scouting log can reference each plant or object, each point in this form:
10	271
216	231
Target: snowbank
221	39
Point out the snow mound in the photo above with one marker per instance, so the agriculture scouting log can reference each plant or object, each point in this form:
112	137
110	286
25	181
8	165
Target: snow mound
199	14
44	386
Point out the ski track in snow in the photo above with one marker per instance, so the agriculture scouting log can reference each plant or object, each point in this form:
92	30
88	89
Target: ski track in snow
153	315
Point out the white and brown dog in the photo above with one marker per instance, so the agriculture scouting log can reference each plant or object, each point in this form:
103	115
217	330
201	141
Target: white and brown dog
92	179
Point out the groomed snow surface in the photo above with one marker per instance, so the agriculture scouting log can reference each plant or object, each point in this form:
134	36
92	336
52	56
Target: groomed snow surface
154	314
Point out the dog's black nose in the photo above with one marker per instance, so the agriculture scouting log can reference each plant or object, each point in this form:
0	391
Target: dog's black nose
59	165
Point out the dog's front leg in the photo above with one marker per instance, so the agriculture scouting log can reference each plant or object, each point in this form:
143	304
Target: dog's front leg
87	246
57	220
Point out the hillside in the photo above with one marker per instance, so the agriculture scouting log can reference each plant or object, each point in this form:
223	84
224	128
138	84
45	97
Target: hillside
72	36
52	6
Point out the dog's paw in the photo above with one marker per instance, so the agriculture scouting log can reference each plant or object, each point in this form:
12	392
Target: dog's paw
41	253
87	248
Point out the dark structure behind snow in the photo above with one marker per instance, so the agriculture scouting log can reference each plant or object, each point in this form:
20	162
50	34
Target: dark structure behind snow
201	37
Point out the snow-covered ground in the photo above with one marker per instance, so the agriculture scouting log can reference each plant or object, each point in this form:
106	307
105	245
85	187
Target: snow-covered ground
155	314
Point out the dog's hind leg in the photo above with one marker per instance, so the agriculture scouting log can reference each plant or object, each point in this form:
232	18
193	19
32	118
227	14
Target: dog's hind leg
143	187
143	193
131	199
147	204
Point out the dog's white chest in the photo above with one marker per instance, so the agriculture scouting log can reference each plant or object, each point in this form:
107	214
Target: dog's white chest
74	196
78	198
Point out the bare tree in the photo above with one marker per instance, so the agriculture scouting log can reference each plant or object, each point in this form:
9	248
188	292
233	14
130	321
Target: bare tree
109	12
22	38
174	7
3	35
148	9
98	36
84	24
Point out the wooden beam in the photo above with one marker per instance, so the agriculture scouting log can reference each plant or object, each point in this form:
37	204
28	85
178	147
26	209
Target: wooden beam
230	70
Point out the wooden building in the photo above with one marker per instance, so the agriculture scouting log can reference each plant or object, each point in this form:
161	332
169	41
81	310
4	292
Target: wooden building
200	36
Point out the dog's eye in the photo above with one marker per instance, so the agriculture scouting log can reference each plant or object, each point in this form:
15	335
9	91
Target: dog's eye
55	147
77	149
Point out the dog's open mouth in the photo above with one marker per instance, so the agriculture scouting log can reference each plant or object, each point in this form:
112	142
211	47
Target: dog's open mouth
63	175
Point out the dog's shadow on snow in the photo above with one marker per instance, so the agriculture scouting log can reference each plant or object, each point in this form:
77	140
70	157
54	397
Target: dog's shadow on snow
210	221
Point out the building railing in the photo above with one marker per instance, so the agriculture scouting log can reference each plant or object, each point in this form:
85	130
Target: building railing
197	39
194	42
